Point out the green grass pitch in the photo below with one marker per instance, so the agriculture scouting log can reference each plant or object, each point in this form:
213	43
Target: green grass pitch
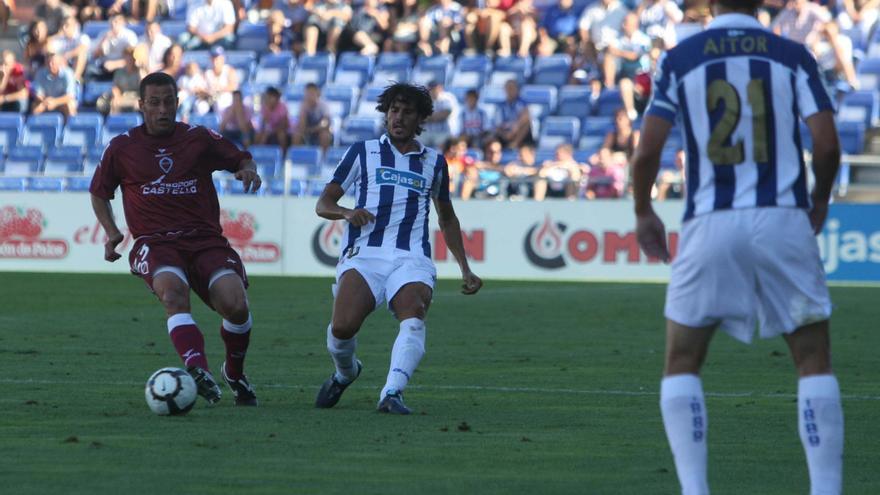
525	388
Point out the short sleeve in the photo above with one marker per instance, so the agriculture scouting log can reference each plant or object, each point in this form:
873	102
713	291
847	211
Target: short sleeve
812	97
349	168
664	100
223	153
440	187
106	178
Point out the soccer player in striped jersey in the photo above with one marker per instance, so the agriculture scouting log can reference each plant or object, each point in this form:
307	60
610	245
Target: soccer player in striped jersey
747	252
386	251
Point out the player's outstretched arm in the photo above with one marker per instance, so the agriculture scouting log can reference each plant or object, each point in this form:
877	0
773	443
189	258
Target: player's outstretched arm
451	229
328	207
104	214
826	161
247	174
650	230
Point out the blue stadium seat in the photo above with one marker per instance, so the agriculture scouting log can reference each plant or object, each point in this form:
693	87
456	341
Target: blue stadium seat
391	67
92	91
22	167
513	67
860	106
93	158
574	101
341	99
556	130
357	128
173	28
471	71
45	184
252	36
314	69
201	57
13	183
65	153
608	103
553	70
852	137
353	69
597	126
307	157
64	160
540	98
43	130
268	158
237	187
367	104
334	155
78	184
275	69
209	120
95	29
244	62
11	125
436	68
296	187
83	130
591	142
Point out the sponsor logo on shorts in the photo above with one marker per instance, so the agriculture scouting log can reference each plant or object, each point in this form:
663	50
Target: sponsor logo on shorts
21	235
401	178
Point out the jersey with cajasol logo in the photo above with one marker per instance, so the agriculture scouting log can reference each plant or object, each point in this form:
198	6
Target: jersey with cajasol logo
739	90
397	189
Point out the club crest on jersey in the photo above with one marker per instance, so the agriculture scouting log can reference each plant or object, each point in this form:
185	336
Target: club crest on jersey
165	161
401	178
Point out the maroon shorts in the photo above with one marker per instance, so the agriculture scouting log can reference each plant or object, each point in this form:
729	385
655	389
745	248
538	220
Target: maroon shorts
198	255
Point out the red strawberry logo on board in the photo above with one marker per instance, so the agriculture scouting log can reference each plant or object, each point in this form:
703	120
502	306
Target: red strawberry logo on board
240	228
20	231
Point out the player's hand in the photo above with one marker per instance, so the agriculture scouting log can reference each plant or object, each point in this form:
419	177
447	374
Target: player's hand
359	217
651	235
110	253
818	215
250	179
472	283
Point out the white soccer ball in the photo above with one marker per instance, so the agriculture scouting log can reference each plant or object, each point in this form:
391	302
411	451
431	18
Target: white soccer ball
170	391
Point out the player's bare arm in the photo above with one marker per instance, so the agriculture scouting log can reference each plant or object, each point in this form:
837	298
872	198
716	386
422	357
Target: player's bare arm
104	214
247	174
826	161
451	229
328	207
650	230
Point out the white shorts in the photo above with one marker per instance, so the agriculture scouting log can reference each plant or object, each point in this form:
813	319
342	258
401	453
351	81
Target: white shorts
734	265
386	272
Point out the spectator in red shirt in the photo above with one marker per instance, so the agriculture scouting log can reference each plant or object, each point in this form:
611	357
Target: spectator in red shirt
14	85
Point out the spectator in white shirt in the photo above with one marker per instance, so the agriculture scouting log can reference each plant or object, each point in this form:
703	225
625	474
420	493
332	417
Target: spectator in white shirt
155	43
599	24
444	123
72	45
109	54
209	23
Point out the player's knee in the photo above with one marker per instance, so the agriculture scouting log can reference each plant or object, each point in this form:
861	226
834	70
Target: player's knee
175	299
344	328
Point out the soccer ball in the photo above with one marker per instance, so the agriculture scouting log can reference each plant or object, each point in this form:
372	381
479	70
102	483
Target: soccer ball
170	391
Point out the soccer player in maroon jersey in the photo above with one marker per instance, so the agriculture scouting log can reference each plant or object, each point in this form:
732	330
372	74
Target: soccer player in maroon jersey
164	168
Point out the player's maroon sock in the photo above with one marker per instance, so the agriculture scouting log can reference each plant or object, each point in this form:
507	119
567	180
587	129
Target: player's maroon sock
236	338
188	340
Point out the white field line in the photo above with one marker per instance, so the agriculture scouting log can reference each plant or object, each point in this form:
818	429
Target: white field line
471	388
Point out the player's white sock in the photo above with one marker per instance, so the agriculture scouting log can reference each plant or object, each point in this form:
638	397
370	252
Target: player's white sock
820	423
342	352
685	420
409	347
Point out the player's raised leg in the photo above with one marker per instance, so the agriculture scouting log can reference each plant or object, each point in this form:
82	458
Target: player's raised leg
229	299
683	406
820	415
353	303
172	289
410	305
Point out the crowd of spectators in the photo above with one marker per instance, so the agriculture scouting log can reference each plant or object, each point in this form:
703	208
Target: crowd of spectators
612	45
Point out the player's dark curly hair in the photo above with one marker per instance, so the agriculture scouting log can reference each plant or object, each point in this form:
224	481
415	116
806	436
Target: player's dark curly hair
156	79
410	93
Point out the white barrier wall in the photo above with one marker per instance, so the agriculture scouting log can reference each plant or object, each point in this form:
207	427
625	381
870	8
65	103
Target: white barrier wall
557	240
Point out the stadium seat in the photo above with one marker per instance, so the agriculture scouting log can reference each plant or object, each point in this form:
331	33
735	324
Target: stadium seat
244	62
492	95
597	126
237	187
209	120
297	187
359	128
95	29
201	57
82	130
119	123
268	158
92	91
93	158
574	101
591	142
860	106
78	183
471	71
274	69
435	68
45	184
556	130
513	67
43	130
553	70
852	137
367	104
608	103
540	98
353	69
340	98
314	69
13	183
252	36
391	67
173	28
64	160
334	155
11	125
304	158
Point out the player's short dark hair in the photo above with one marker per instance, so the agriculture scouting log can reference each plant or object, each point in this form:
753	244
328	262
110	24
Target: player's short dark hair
749	5
410	93
157	79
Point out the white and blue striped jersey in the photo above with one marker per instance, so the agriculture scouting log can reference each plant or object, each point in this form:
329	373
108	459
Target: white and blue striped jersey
739	90
396	188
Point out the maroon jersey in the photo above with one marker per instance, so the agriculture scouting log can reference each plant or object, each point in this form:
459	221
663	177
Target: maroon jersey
166	181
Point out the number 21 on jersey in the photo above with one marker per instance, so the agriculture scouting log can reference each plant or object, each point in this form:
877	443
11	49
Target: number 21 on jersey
722	91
